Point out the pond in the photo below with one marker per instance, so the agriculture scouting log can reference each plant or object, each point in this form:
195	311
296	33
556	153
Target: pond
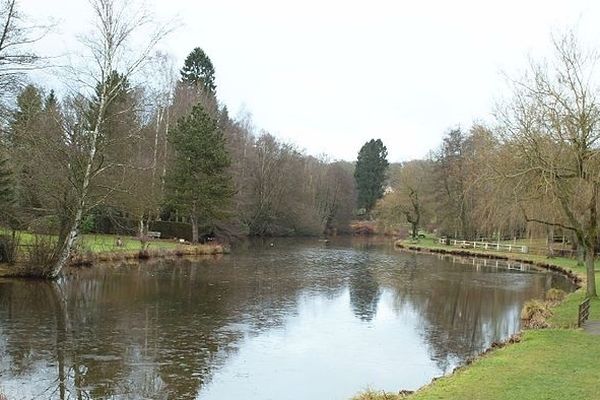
296	320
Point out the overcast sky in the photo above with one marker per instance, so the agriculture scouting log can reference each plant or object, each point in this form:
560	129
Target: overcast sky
329	75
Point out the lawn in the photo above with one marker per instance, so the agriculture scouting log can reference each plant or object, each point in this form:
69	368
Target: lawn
548	364
103	243
97	243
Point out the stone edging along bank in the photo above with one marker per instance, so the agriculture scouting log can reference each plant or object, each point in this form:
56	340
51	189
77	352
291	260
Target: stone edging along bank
569	274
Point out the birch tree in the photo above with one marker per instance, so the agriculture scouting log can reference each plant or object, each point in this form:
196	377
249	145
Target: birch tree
110	48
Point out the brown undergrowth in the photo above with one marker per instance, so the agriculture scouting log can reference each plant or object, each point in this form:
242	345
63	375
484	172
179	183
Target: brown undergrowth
89	258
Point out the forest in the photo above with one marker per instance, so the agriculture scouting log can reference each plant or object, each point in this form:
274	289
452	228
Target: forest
127	155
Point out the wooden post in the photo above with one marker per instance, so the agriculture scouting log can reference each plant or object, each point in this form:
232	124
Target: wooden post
584	312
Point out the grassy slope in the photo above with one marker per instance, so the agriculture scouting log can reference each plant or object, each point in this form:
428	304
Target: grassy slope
547	364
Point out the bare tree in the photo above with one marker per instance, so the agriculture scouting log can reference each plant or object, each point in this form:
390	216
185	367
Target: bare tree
16	36
551	126
409	199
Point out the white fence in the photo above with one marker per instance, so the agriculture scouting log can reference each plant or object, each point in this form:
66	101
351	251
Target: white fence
466	244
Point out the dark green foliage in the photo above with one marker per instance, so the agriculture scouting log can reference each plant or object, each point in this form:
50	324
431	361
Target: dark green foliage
51	102
7	190
371	167
198	182
198	70
117	97
172	230
9	246
29	108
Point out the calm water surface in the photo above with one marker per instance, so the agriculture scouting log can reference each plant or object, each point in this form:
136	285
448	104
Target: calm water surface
294	321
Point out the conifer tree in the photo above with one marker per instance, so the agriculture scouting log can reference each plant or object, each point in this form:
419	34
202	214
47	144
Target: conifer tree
369	174
199	184
198	70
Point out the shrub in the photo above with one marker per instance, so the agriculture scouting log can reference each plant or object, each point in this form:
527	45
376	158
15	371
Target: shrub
555	296
42	253
172	230
535	314
9	246
363	228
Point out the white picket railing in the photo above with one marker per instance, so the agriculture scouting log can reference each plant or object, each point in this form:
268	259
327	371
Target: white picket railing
467	244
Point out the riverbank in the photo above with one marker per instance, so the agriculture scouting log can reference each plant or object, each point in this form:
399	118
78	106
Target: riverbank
104	248
556	363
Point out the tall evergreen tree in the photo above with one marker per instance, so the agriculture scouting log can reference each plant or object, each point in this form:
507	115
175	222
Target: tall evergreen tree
29	107
198	182
371	167
7	192
198	70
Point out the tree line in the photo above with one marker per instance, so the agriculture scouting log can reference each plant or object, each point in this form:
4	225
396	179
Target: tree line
534	171
138	141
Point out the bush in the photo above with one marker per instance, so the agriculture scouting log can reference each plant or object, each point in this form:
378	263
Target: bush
42	253
172	230
46	225
555	296
363	228
9	246
535	314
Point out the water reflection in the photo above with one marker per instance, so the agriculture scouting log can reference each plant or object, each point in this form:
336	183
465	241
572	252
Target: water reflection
256	324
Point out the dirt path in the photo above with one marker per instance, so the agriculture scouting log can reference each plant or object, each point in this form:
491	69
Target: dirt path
592	327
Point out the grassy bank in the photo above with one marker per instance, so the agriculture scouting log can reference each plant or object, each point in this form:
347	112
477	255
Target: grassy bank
103	248
98	243
557	363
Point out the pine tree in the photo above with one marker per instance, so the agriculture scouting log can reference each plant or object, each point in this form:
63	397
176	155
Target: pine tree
369	174
198	182
198	70
7	191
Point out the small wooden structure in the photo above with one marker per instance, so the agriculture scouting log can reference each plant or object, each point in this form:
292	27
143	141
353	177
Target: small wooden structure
584	312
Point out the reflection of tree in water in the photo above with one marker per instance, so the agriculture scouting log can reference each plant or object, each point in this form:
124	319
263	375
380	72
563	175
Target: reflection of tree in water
364	291
120	333
464	310
162	330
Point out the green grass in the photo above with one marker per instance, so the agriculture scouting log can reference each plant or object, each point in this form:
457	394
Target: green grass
97	243
548	364
104	243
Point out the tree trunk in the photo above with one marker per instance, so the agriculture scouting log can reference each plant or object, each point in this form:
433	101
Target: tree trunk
67	246
551	242
590	258
143	233
194	229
